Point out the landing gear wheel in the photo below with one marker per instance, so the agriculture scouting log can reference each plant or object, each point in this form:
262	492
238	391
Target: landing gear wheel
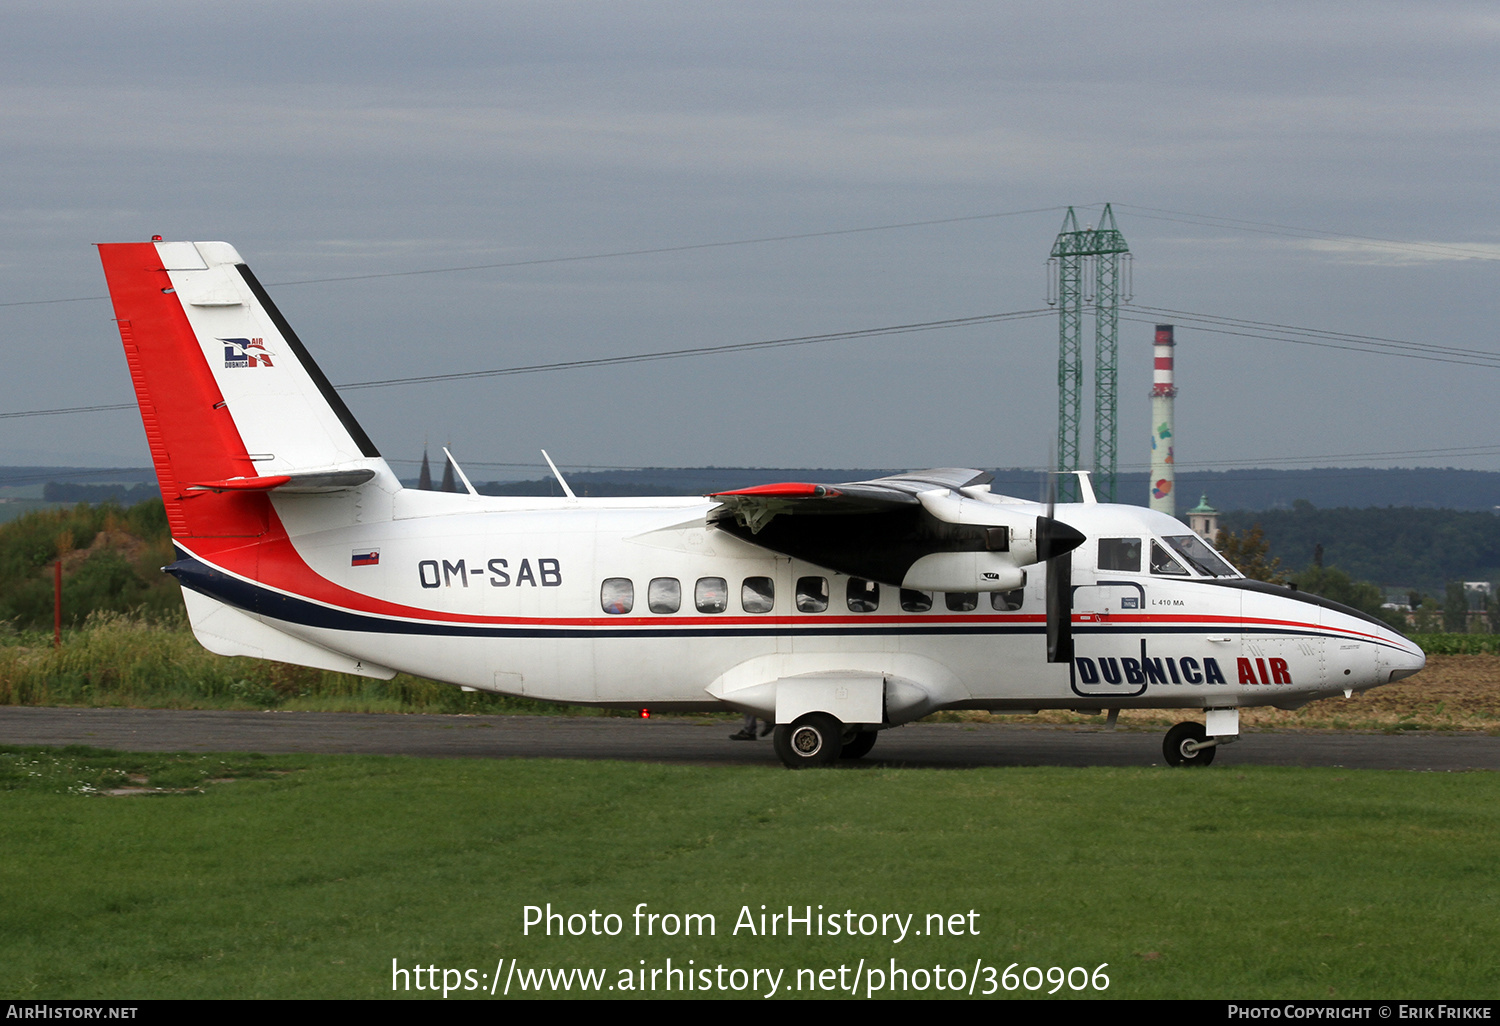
1175	746
858	744
810	740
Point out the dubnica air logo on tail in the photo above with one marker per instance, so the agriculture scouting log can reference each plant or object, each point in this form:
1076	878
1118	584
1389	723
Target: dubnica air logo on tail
237	352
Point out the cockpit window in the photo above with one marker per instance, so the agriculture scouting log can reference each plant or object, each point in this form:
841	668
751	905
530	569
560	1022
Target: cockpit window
1163	563
1199	556
1120	554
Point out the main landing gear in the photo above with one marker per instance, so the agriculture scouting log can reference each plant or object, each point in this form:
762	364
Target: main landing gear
815	739
818	739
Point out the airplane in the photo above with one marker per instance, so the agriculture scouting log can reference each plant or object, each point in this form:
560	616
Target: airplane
833	610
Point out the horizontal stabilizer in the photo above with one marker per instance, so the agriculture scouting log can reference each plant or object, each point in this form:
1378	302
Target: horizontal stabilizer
299	482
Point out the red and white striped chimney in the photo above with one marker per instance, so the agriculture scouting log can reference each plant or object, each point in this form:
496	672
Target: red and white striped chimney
1163	391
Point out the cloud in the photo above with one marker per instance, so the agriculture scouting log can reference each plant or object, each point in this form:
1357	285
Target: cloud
1379	252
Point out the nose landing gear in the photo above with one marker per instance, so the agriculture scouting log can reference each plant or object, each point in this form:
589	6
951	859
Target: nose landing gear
1189	744
1185	745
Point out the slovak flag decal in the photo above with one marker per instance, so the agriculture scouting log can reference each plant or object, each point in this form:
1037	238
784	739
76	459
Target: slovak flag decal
365	557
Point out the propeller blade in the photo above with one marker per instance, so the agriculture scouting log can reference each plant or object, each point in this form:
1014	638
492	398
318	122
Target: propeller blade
1060	608
1055	542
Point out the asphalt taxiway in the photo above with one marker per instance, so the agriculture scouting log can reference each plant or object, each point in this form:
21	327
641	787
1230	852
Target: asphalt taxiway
699	741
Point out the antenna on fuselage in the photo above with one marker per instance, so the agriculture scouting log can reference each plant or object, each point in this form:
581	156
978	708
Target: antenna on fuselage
558	474
461	475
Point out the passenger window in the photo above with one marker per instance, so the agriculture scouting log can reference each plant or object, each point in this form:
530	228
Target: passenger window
617	595
1162	562
664	595
864	596
961	601
1120	554
758	594
711	595
916	601
1007	601
812	594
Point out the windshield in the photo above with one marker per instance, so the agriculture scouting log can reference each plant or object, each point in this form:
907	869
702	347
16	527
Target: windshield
1199	556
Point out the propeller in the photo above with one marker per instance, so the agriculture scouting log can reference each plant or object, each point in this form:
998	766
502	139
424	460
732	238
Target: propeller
1055	542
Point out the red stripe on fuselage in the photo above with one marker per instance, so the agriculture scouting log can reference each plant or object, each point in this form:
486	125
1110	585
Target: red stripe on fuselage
282	568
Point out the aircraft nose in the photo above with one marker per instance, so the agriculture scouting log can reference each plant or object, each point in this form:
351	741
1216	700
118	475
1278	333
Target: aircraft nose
1405	661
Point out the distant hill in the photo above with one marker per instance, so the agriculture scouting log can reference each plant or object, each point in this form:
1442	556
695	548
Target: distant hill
36	475
1393	547
1352	487
1250	489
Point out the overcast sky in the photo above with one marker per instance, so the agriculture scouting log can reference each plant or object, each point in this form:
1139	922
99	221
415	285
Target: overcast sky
334	139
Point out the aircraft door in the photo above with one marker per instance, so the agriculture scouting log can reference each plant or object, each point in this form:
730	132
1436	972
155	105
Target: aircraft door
1108	654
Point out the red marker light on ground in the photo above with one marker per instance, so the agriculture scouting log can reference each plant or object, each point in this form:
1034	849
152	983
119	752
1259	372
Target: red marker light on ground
645	714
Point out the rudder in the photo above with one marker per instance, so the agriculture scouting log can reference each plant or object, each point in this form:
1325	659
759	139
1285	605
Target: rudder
229	397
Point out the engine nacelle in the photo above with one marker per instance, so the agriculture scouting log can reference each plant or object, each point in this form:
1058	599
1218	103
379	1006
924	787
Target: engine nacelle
964	571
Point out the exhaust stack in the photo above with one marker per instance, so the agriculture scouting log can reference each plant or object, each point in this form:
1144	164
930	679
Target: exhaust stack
1163	391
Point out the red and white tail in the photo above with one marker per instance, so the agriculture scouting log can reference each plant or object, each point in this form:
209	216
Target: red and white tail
233	405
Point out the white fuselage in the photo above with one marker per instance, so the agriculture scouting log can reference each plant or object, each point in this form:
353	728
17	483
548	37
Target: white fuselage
510	595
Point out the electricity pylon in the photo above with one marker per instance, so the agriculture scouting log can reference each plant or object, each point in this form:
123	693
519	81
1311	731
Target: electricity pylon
1086	260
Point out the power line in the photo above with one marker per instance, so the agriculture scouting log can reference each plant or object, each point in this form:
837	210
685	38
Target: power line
68	409
1213	323
738	347
611	361
1150	213
1324	333
674	249
1387	454
608	255
1321	338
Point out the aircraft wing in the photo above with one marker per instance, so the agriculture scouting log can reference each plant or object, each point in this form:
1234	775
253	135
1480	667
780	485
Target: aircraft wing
755	507
925	530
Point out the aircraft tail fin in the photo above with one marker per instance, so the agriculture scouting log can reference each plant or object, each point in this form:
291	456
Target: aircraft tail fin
233	405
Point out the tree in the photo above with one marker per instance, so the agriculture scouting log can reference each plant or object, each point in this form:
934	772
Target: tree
1249	552
1424	614
1456	608
1332	583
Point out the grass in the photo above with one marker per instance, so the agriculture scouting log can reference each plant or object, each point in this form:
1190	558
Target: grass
304	876
127	660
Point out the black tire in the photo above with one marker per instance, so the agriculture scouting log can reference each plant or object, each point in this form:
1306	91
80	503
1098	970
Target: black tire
858	744
811	740
1178	737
